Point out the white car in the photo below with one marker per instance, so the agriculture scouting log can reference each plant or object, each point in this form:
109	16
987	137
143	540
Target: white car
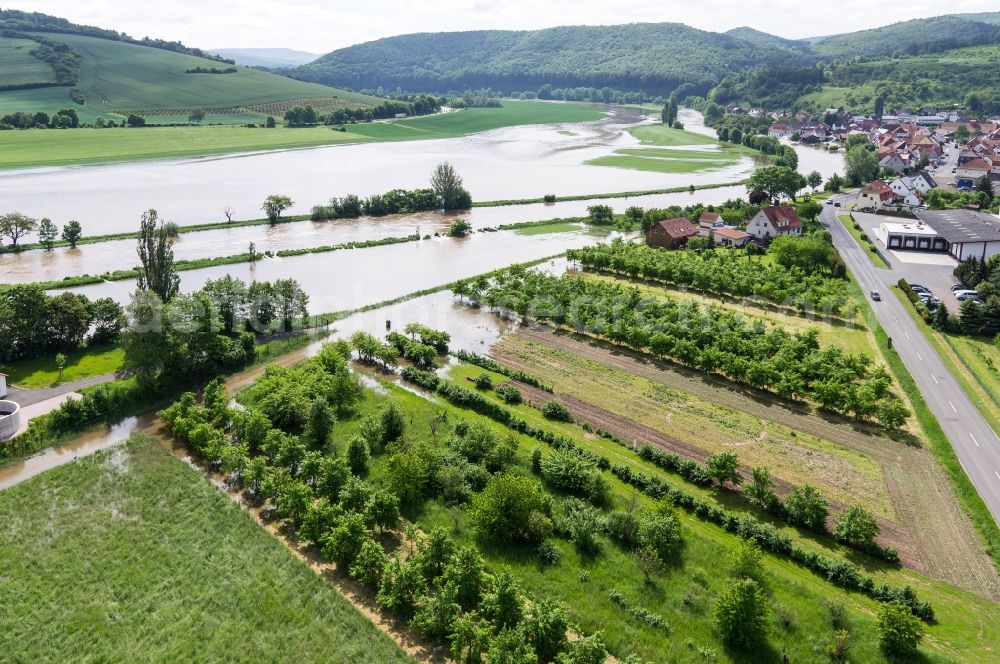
963	295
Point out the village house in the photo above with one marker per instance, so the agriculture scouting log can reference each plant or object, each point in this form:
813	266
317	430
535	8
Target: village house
773	221
730	237
710	221
670	233
893	161
875	195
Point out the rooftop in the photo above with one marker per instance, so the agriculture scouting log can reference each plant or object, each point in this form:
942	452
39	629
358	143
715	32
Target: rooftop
958	226
908	228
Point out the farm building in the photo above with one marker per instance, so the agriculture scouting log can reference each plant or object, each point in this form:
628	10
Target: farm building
910	236
966	232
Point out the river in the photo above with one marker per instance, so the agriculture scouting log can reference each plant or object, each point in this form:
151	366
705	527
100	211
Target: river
508	163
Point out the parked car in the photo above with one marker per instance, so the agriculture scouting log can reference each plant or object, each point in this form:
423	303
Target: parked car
918	287
964	295
875	296
958	287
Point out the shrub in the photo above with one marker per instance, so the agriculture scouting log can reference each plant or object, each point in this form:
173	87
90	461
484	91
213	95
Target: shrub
459	228
554	410
484	382
899	631
662	531
358	455
548	553
549	198
724	467
741	613
745	560
509	394
857	527
806	507
503	509
623	528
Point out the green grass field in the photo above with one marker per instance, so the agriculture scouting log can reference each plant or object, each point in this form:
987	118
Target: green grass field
19	67
22	149
132	555
118	77
82	363
685	591
665	159
658	134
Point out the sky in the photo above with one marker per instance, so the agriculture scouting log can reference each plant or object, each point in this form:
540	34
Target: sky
320	26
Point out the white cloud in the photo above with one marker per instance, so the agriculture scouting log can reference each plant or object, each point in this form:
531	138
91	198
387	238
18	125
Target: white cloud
320	26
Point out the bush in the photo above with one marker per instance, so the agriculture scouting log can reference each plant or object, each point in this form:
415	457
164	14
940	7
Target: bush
549	198
459	228
662	531
623	528
554	410
548	553
509	395
899	631
484	382
502	511
741	613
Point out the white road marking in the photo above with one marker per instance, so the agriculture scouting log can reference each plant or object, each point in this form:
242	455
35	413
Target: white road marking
894	318
906	335
936	382
997	474
920	356
974	439
953	406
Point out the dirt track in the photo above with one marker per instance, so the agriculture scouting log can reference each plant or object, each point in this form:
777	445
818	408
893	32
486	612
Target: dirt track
934	534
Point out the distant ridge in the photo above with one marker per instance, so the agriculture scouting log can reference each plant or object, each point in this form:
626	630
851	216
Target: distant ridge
266	57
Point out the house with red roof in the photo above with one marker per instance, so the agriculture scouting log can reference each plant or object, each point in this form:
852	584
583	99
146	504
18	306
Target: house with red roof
671	233
773	221
730	237
875	194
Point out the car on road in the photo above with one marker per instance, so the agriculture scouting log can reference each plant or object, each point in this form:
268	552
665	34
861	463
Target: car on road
876	297
963	295
828	201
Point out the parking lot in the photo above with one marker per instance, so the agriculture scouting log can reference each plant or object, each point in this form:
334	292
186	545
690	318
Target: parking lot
930	269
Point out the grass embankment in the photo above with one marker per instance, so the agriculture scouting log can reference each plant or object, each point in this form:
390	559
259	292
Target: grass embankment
30	148
130	554
80	364
971	501
685	591
616	194
864	242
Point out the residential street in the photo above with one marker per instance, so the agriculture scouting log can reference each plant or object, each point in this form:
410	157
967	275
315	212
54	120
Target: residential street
975	443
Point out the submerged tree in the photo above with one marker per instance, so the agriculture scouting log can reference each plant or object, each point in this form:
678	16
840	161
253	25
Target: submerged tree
16	225
72	232
157	272
447	184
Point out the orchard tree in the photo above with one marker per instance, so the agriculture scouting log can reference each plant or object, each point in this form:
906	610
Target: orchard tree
724	467
16	225
196	116
503	510
72	232
545	626
503	602
370	563
806	507
156	272
47	233
760	490
857	526
274	205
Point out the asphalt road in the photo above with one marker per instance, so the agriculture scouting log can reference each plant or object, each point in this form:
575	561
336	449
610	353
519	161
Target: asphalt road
975	443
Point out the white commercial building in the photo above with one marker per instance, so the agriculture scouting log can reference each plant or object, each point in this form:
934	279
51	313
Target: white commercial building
967	232
910	236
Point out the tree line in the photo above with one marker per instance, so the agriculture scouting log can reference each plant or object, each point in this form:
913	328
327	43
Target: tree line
447	192
303	116
15	226
441	590
731	272
712	340
34	324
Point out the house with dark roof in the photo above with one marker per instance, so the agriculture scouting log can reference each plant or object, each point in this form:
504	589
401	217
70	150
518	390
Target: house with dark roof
773	221
670	233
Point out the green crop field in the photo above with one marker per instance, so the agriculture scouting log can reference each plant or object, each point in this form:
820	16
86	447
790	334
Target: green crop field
19	67
118	77
38	147
666	159
131	555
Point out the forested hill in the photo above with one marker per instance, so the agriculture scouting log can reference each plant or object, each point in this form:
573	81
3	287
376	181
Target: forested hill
655	58
919	36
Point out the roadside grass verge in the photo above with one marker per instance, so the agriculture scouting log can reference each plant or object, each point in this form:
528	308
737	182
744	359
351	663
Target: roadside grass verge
81	363
130	554
865	242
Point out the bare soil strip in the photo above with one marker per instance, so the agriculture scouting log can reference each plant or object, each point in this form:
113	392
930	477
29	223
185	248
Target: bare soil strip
942	538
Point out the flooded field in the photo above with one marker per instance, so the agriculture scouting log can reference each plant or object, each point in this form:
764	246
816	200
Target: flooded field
515	162
344	280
